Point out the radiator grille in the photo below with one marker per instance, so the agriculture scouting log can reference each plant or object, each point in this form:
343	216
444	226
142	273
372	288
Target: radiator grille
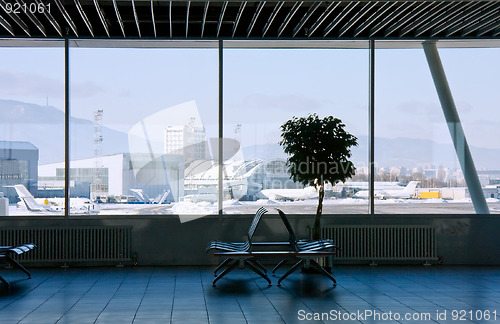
383	242
71	244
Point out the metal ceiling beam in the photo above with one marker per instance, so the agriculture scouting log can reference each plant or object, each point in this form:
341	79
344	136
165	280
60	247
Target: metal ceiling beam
480	24
367	7
170	16
136	18
331	7
290	15
376	15
50	18
485	12
15	17
465	12
276	9
304	19
5	24
238	16
255	17
350	6
187	17
33	18
153	18
390	18
84	17
419	9
423	18
221	17
66	16
496	32
119	17
452	12
101	17
205	12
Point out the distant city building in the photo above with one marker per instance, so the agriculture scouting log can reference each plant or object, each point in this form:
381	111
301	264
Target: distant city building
118	176
185	140
18	165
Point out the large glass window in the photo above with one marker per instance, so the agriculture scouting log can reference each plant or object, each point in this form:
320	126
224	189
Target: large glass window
143	123
413	144
474	78
144	128
31	127
263	88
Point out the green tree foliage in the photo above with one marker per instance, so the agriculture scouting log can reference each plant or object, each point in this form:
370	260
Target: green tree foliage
319	152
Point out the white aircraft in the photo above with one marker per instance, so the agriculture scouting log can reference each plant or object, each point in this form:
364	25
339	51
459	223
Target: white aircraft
384	193
290	194
77	205
144	198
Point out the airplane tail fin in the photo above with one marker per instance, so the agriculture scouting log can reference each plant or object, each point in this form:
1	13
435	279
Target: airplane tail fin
27	198
410	188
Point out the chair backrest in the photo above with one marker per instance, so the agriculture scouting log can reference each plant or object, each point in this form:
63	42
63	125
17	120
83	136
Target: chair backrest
256	219
291	234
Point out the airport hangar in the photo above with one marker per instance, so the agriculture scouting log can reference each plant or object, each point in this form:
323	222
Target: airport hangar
274	24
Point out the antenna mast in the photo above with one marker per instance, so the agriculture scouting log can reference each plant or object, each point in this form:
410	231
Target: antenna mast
97	188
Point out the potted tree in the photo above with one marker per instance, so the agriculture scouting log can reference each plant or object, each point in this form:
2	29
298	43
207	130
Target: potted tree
319	150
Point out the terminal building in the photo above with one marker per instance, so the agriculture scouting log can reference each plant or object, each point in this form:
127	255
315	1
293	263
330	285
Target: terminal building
18	165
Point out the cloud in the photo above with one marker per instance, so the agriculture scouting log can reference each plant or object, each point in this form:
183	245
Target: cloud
13	83
291	102
85	89
16	83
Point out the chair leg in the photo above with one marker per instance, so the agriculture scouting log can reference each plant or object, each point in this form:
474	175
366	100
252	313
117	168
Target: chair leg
226	271
318	267
18	265
259	265
292	269
282	262
223	263
257	271
4	281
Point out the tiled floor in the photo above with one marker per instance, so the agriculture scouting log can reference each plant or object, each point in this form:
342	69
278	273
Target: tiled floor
185	295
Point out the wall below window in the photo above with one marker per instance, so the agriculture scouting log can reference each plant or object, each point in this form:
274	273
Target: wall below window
160	240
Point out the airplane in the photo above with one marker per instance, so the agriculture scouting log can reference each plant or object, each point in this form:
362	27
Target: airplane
384	193
145	199
54	205
290	194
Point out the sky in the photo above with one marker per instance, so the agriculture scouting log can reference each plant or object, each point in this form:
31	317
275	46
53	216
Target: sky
264	88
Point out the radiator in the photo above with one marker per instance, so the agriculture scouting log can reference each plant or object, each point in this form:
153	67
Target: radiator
71	244
383	242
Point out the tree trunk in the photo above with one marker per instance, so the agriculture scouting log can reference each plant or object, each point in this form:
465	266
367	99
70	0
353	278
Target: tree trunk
319	211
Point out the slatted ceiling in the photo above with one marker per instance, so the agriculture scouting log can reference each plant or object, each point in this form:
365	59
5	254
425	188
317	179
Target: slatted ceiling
341	16
84	17
67	17
221	17
5	24
323	17
192	20
289	17
357	17
119	17
304	19
136	18
15	18
421	19
153	18
33	19
276	10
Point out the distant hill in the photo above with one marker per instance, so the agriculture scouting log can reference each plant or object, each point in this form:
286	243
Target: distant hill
406	152
43	126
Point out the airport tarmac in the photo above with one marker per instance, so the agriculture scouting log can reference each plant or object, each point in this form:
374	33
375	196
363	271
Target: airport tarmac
352	206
